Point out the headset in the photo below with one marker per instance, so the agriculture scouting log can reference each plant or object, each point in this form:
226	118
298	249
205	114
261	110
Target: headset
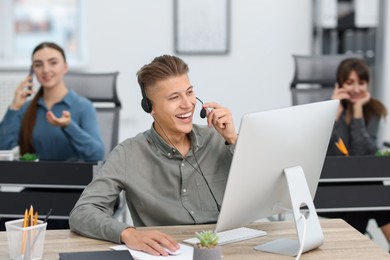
147	105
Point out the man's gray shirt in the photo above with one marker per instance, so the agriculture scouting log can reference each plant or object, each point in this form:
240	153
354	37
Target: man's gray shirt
162	187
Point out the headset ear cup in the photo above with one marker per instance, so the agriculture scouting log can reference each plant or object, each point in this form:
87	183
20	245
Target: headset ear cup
145	104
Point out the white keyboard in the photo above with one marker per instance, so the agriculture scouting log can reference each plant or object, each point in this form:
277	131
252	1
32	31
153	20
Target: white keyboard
233	235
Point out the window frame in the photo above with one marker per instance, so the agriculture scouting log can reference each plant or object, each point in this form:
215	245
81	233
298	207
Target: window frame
8	62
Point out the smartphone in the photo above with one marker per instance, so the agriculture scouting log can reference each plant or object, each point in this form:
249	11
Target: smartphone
343	102
31	73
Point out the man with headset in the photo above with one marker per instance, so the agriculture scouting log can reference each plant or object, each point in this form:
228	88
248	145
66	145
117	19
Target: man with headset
174	173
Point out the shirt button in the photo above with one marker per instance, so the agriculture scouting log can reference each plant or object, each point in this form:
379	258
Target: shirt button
182	165
184	190
192	212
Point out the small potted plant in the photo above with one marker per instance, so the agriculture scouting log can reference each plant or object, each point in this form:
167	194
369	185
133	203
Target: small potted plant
208	247
29	157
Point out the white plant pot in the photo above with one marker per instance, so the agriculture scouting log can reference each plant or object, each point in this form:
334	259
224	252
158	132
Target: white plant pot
207	253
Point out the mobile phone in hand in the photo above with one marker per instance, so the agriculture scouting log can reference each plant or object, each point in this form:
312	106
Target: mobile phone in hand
344	102
31	74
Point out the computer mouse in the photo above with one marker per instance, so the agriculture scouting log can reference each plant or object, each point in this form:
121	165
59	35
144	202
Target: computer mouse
177	252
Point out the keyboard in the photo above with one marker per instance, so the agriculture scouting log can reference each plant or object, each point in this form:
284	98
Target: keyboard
231	236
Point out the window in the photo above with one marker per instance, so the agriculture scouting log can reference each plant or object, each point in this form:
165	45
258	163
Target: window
26	23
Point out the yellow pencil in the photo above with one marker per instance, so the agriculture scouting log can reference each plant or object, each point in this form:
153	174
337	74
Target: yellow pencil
31	223
31	215
35	218
25	222
343	149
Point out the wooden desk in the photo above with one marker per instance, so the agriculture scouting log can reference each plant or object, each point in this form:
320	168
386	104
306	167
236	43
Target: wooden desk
341	242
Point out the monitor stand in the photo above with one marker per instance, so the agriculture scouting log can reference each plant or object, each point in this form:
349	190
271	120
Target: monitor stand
300	196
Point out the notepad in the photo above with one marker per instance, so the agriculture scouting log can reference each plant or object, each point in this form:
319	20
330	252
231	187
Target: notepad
186	253
97	255
6	155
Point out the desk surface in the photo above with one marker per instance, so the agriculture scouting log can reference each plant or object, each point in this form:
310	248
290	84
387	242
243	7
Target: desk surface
341	242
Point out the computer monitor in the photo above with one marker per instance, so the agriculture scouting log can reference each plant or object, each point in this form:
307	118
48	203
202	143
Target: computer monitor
276	167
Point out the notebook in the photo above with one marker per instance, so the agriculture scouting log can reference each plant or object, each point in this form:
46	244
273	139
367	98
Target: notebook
97	255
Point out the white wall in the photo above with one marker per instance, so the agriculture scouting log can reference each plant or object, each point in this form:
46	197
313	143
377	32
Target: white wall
123	35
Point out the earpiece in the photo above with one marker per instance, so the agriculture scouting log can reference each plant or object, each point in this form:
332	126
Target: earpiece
145	102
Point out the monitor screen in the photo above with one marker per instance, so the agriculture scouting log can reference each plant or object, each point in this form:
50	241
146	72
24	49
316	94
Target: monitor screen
269	143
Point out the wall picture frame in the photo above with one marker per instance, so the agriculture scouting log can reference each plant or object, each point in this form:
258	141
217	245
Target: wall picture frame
202	27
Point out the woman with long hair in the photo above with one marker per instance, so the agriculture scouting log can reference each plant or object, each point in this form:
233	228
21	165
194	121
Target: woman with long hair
359	114
357	124
57	124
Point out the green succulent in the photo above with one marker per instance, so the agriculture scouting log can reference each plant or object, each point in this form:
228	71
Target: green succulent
383	153
28	157
208	239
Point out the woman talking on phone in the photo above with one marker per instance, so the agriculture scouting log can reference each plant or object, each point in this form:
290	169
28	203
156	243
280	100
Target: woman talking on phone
357	124
57	124
359	114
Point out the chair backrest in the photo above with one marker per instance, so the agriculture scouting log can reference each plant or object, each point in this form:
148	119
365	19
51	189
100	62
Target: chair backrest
315	77
100	88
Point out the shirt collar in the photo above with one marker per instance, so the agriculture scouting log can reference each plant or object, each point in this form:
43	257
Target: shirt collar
68	100
168	150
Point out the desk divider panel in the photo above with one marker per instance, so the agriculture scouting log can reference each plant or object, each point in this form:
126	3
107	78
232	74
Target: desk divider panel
45	185
46	173
354	183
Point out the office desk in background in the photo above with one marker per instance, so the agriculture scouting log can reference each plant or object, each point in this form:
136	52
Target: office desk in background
46	185
341	242
354	183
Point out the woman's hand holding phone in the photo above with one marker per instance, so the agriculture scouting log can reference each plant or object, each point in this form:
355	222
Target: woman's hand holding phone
342	95
22	92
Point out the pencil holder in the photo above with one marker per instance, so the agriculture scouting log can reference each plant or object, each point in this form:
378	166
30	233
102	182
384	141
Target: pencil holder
25	242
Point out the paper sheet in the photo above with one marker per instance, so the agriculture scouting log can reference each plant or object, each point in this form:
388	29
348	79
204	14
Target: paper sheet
186	253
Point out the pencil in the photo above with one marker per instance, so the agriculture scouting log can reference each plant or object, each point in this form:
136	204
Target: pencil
25	220
341	146
31	223
35	218
31	215
47	215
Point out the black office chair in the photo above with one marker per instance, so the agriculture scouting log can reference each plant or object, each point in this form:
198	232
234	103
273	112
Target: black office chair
315	77
100	88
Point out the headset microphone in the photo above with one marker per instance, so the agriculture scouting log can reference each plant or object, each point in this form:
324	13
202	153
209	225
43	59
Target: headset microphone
203	112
